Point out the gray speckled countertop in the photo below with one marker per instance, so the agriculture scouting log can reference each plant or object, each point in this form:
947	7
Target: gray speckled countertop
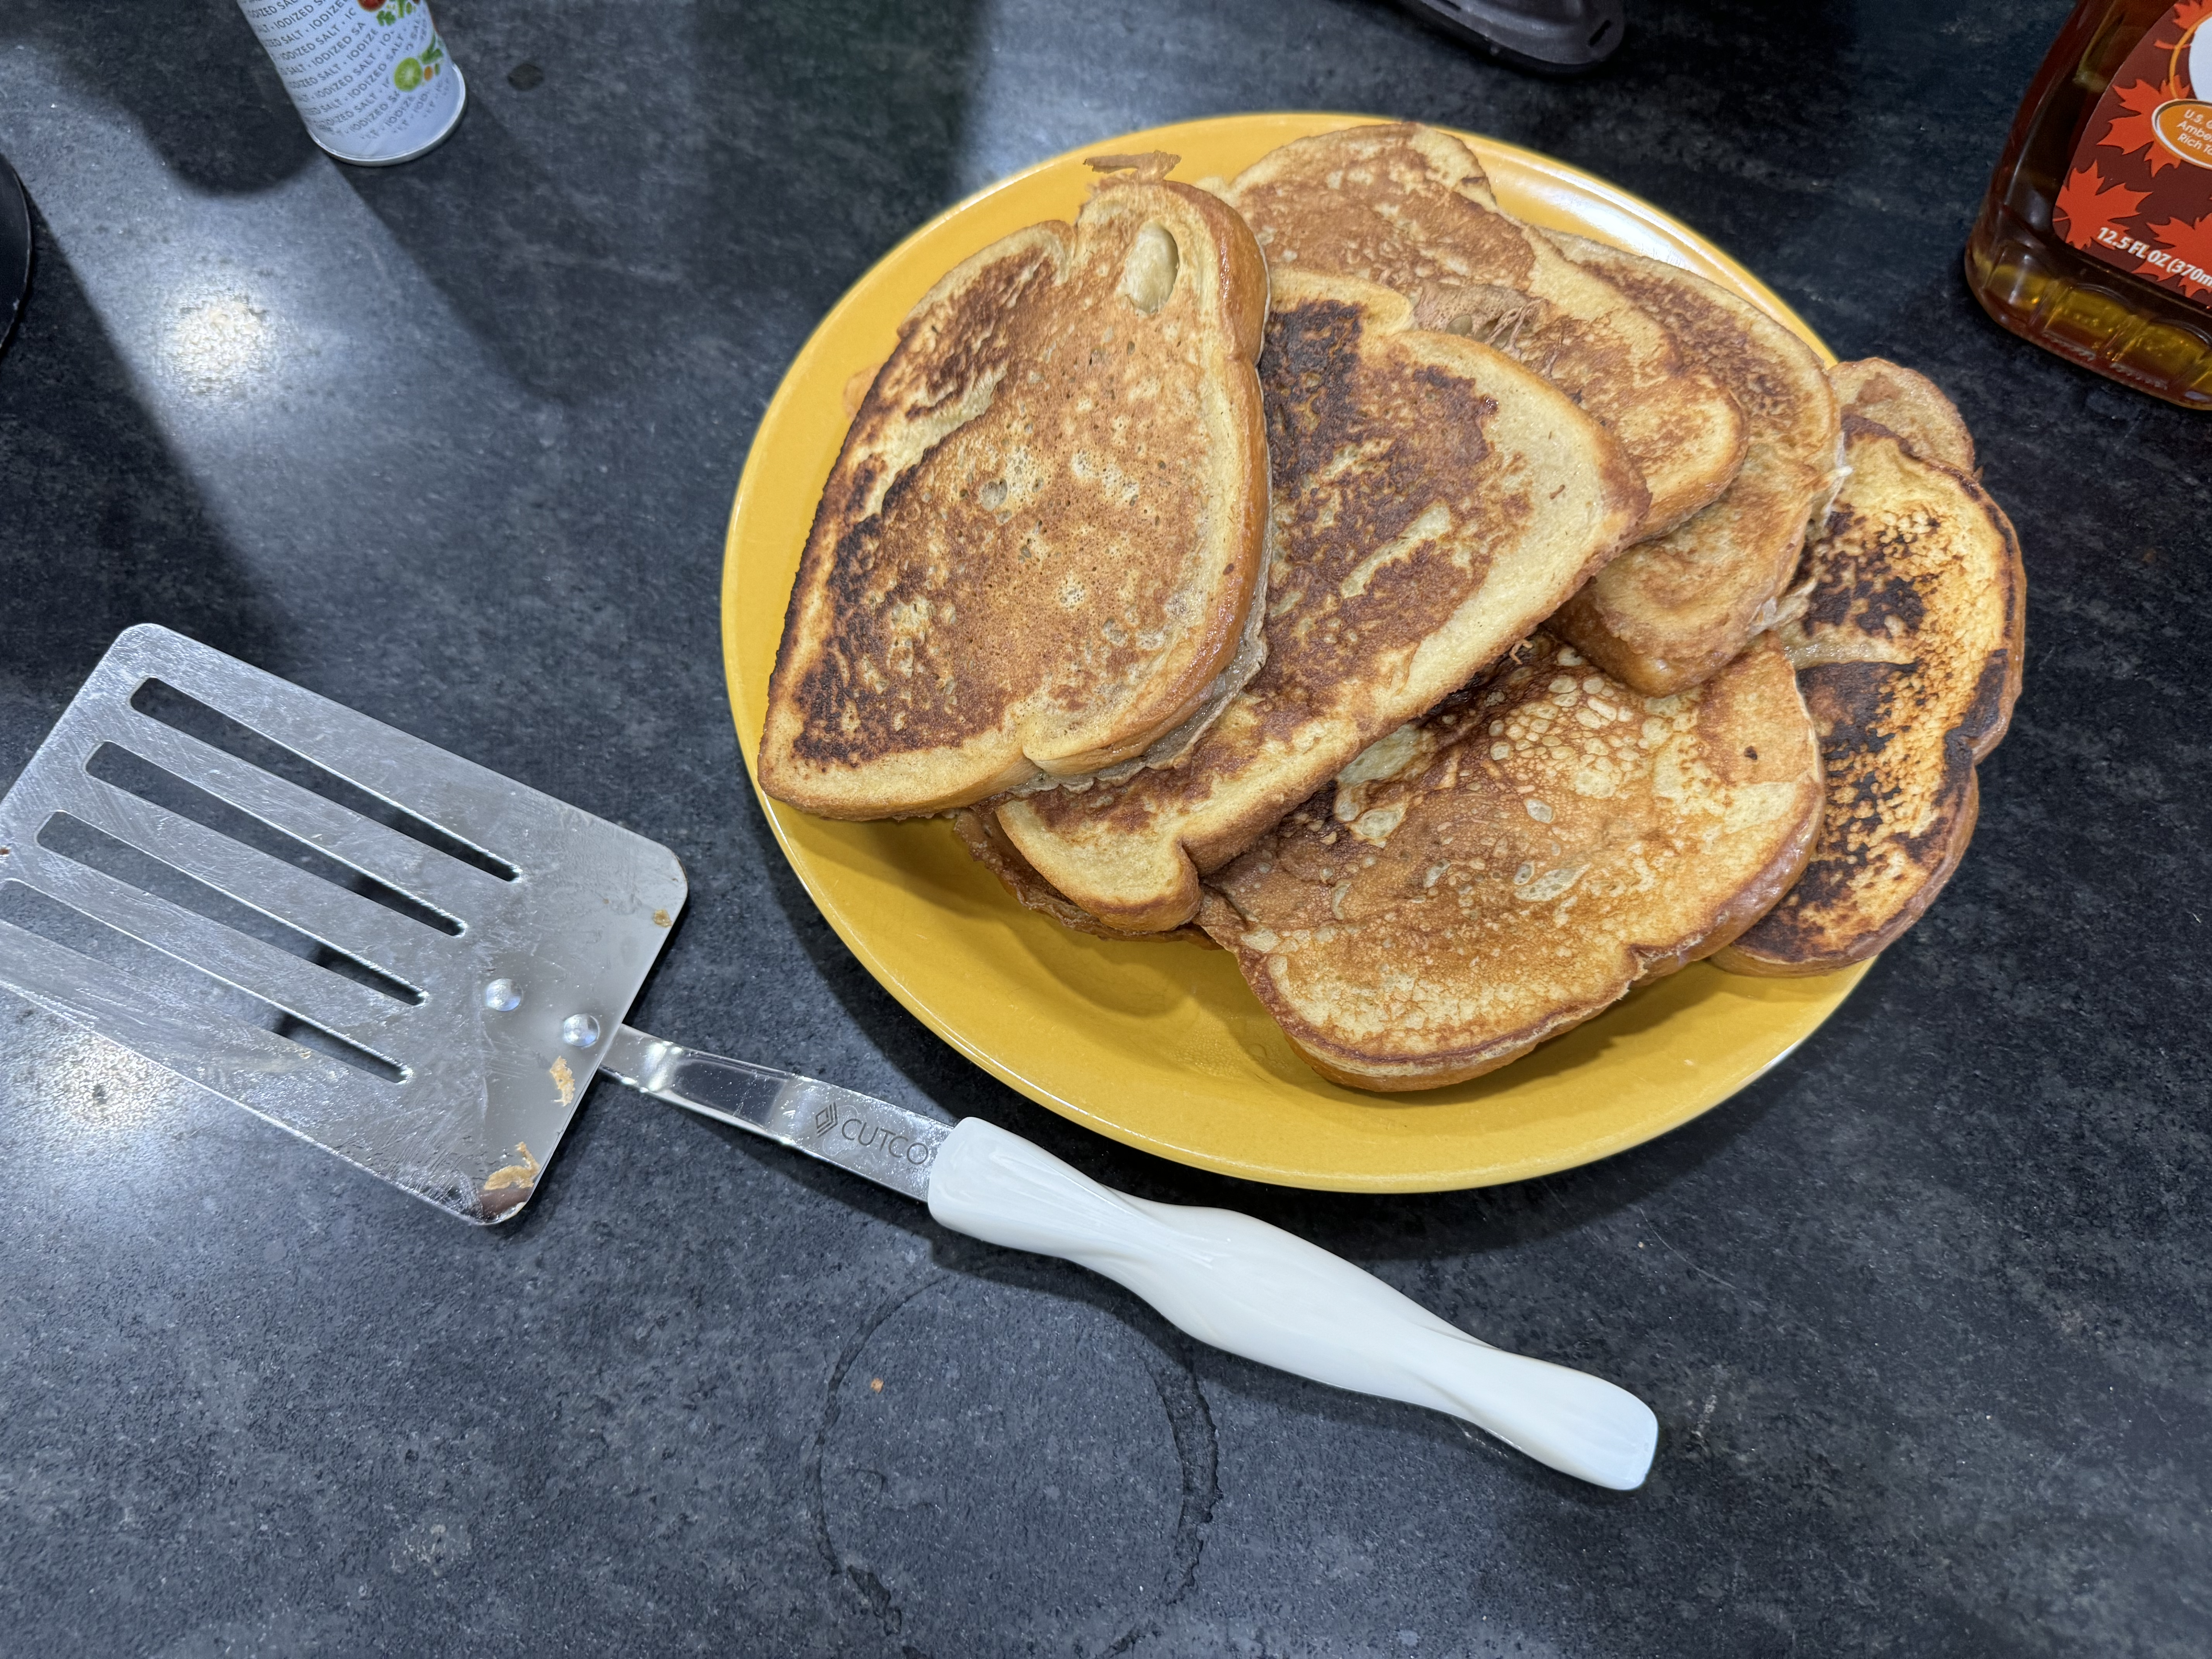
1923	1313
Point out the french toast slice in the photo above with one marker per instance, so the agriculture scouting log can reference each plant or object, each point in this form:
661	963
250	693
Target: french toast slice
1671	612
1408	207
1503	870
1910	404
986	843
1909	651
1432	501
1037	552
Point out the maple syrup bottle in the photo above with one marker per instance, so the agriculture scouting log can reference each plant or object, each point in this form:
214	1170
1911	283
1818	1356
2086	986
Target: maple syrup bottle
2095	240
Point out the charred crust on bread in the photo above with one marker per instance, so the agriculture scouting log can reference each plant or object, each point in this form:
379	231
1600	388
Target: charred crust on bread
1911	652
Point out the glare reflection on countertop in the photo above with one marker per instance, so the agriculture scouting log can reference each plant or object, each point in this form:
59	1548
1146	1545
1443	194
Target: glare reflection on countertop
218	344
103	1122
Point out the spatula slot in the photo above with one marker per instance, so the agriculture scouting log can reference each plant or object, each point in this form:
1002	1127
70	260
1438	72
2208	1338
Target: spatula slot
177	984
81	843
50	919
113	764
316	1040
158	700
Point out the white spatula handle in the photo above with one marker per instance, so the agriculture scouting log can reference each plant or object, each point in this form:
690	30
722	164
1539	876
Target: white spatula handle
1259	1292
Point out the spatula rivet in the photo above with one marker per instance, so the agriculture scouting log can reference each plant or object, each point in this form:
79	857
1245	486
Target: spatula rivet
501	996
579	1030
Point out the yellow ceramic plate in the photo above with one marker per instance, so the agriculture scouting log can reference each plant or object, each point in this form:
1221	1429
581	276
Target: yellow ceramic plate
1161	1045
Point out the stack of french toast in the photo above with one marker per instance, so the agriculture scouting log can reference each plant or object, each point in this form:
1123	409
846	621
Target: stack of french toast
1457	621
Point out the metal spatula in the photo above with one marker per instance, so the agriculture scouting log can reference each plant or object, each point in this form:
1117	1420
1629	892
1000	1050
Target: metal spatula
421	965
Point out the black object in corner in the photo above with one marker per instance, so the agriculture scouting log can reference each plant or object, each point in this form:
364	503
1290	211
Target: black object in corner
14	248
1558	36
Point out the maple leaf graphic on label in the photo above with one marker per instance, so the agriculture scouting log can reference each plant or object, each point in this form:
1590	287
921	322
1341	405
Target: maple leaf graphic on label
2193	243
2133	132
2085	201
2186	16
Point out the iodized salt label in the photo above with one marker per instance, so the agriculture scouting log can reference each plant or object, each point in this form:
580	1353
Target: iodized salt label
371	78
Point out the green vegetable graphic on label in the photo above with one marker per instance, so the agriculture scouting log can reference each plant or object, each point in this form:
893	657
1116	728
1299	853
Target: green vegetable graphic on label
391	11
409	73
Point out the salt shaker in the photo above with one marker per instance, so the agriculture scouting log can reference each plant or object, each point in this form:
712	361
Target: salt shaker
371	78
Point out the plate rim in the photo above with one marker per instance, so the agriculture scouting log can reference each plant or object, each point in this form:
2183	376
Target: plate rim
1674	236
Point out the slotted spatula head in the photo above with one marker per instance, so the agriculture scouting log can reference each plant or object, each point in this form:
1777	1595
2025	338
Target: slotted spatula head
387	950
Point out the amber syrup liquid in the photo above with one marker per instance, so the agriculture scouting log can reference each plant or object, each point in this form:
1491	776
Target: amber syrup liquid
2027	277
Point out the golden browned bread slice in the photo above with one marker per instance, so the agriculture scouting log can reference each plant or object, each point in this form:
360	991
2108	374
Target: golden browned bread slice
1408	207
1909	651
1910	404
1487	878
1433	502
1671	612
1036	554
979	831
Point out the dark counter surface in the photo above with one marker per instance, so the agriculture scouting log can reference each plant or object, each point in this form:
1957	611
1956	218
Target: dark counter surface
1923	1313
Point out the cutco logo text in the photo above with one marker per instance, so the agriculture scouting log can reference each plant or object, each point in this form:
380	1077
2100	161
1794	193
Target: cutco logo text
861	1132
